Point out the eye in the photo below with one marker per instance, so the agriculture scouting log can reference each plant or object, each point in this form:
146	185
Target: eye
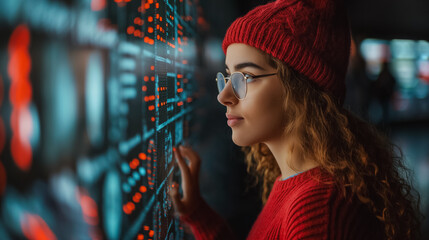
249	77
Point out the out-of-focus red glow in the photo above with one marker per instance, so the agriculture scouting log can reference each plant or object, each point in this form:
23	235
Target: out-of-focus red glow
130	30
137	197
203	24
98	5
353	48
149	98
128	208
171	45
138	21
134	163
3	178
142	156
137	33
122	2
1	90
2	135
149	40
35	228
106	24
424	71
20	96
89	207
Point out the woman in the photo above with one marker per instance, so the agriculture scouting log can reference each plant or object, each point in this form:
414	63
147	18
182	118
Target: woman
326	174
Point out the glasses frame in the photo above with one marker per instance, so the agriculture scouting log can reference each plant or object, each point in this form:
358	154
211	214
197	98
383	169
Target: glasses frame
226	80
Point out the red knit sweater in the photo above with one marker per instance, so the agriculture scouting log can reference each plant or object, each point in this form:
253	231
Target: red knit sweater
305	206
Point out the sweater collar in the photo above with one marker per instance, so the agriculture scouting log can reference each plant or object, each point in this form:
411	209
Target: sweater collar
315	173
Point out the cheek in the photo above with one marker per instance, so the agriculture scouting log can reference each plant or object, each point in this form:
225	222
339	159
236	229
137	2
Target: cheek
266	104
268	114
264	115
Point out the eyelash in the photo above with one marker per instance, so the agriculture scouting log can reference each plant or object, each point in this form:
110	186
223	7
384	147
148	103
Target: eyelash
246	75
251	79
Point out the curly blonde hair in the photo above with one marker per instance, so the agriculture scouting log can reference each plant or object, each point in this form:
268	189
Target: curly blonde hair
364	162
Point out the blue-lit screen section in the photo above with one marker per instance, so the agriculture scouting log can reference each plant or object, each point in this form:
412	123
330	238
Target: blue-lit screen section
94	94
397	72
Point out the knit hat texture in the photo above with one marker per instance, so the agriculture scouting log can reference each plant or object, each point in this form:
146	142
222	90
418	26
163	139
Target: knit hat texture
311	36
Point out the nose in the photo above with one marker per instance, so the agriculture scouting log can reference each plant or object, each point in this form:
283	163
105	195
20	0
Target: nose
226	97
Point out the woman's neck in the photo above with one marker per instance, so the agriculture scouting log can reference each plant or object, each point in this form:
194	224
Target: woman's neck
289	157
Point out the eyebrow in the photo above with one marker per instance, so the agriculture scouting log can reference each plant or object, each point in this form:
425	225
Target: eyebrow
246	64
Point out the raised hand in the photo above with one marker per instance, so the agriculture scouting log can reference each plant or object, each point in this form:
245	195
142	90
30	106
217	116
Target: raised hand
190	182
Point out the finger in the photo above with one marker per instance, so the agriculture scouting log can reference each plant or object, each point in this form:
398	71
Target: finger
170	182
185	173
184	168
194	159
191	155
175	197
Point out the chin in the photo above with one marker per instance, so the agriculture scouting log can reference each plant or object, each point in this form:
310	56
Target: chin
241	142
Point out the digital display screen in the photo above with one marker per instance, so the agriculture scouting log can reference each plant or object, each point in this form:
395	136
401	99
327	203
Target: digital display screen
93	96
397	71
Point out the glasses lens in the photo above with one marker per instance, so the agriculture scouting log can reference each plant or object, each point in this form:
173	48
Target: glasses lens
239	85
220	81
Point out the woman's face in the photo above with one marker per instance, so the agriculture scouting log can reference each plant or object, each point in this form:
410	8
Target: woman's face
260	113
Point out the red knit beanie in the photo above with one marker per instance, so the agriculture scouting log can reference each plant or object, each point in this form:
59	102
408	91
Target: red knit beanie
311	36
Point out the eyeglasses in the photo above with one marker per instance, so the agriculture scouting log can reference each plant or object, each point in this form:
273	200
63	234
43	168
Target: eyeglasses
238	82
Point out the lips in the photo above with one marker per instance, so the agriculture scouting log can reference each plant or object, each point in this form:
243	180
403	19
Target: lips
233	119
